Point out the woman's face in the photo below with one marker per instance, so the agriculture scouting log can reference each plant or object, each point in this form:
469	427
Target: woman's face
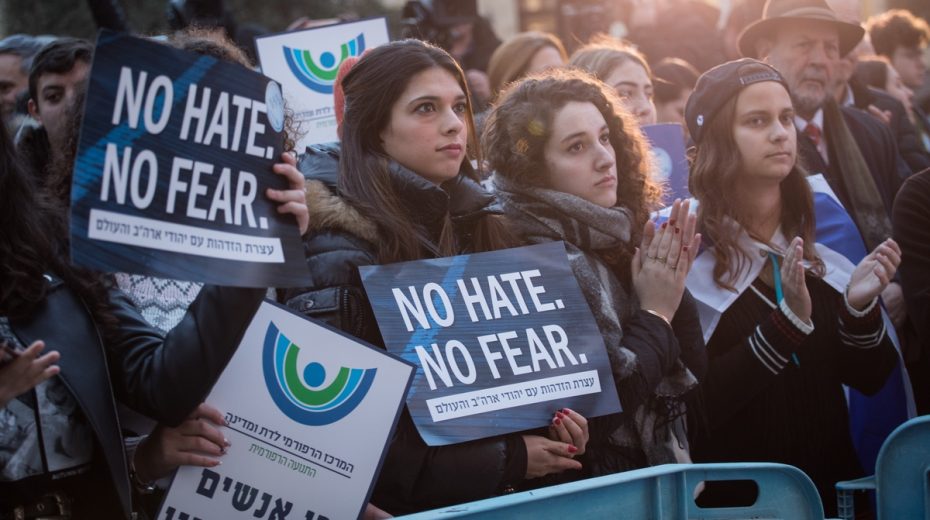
545	59
898	89
580	159
763	128
427	132
674	110
634	87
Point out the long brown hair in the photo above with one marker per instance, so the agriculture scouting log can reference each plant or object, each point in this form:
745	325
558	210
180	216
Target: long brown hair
371	88
33	242
511	58
714	181
519	127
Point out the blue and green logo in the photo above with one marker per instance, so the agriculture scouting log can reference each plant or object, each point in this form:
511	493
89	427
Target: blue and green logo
321	76
300	394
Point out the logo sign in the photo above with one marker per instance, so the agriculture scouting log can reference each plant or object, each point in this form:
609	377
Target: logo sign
321	77
501	341
301	394
308	434
668	153
306	62
175	155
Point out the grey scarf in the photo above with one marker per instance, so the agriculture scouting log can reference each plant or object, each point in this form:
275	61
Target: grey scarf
541	215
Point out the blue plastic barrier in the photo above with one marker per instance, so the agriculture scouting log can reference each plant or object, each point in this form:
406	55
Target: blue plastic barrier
661	492
900	482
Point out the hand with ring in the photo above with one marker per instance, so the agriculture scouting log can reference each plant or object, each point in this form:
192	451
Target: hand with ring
661	264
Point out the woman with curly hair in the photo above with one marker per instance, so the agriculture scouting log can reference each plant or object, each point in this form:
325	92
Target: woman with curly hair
570	164
787	321
404	189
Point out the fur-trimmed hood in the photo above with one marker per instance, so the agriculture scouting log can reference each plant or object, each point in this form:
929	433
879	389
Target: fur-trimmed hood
462	198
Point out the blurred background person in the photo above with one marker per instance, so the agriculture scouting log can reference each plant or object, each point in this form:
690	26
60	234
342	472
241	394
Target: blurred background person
674	80
16	54
624	69
903	38
58	74
522	55
878	73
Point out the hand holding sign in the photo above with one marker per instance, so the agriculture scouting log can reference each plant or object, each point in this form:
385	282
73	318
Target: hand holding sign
292	200
570	427
500	340
545	456
174	172
195	442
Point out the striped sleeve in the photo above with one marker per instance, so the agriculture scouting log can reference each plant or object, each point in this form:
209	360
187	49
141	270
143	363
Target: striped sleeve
775	339
861	329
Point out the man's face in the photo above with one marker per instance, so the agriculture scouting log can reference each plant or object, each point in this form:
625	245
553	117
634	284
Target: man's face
909	62
805	52
12	82
56	93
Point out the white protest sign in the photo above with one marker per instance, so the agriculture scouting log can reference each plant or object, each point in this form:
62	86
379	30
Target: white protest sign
306	63
309	413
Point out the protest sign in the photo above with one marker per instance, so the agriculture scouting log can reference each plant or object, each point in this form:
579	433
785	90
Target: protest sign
309	412
306	62
668	151
175	154
501	340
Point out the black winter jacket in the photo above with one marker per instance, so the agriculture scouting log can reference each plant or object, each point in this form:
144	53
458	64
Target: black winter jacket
162	377
415	476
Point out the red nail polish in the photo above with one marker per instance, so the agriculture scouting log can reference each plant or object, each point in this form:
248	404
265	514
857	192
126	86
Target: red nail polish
685	248
566	411
572	449
664	225
557	421
677	230
671	222
560	415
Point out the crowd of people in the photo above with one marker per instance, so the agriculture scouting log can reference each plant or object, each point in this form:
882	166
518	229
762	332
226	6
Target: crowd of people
732	328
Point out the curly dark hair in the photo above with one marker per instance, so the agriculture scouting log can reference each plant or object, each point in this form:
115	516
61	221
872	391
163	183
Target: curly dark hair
519	127
897	28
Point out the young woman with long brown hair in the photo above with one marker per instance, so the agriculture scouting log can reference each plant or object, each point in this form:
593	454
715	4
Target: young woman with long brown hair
404	189
786	323
571	164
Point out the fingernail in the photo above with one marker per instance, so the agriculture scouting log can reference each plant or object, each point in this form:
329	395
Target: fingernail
572	449
226	441
677	230
566	410
671	222
685	248
664	225
557	421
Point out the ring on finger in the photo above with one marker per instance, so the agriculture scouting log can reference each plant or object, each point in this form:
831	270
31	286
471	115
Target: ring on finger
661	260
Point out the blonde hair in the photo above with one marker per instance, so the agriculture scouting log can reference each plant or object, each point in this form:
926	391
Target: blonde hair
603	54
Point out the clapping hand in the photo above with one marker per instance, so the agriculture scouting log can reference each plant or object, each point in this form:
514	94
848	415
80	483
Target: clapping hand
873	274
660	266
